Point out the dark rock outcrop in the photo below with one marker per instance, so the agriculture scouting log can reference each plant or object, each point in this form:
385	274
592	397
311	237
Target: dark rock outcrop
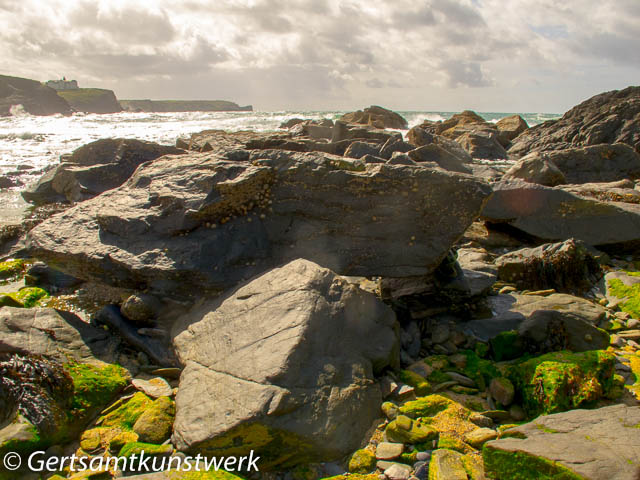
288	358
611	117
94	168
565	267
377	117
194	222
91	100
36	98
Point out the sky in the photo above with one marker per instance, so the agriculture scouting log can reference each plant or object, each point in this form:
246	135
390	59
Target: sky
435	55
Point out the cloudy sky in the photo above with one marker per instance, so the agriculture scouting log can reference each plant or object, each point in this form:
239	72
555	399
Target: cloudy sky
488	55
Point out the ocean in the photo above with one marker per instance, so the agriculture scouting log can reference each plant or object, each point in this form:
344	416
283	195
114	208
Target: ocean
30	144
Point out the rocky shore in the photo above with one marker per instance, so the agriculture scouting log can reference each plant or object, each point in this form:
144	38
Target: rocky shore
461	302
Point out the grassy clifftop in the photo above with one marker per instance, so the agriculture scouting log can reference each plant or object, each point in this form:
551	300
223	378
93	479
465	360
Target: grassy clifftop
91	100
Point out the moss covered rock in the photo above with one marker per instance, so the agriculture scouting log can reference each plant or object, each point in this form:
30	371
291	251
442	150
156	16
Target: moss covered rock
442	413
561	381
127	414
11	268
94	387
155	423
447	465
406	430
26	297
506	346
362	461
418	382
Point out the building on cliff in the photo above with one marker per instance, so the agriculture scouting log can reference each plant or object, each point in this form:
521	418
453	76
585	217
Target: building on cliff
63	84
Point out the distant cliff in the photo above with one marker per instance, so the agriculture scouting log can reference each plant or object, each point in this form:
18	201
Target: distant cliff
91	100
183	106
36	98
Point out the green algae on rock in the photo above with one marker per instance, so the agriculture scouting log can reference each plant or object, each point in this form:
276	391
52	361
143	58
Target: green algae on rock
126	415
521	466
506	346
155	423
405	430
561	381
630	294
11	268
418	382
362	461
26	297
94	386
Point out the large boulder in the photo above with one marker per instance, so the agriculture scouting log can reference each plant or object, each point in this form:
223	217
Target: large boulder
185	224
284	365
557	214
377	117
94	168
611	117
586	444
91	100
36	98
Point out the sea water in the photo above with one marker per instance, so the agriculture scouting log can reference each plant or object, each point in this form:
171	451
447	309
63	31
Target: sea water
30	144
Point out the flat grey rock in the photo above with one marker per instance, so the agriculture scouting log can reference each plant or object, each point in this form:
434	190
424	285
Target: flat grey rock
289	356
596	444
